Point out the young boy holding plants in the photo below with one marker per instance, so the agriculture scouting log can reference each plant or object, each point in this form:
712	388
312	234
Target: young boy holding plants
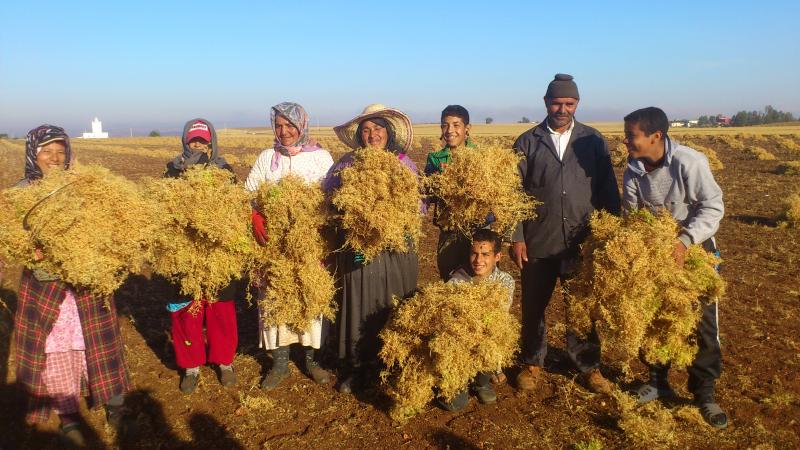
219	346
453	248
481	265
662	174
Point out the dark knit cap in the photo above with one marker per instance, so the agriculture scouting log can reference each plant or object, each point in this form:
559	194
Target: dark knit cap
562	86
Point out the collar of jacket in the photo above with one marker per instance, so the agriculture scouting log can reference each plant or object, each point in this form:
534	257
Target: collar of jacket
541	132
636	166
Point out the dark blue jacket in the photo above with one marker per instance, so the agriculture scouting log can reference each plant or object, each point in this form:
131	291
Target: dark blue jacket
570	189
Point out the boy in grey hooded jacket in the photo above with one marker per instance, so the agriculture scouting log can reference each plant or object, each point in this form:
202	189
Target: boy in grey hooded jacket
662	174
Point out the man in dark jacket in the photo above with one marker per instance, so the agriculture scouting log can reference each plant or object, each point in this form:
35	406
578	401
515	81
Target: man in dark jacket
567	166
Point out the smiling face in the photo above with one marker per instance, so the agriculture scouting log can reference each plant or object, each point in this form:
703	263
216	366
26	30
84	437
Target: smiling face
454	131
641	146
374	135
560	112
483	259
285	131
51	156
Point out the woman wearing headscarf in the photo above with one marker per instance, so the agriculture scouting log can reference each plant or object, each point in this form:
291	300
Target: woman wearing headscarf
219	346
65	339
367	289
294	152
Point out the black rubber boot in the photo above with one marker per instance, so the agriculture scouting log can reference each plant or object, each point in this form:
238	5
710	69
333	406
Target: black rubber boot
317	373
350	379
459	402
115	412
483	388
70	432
279	369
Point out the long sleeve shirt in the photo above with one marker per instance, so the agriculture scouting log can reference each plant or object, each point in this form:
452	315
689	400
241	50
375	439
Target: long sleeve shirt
311	166
683	185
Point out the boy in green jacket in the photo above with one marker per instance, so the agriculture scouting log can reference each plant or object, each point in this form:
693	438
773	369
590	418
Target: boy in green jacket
453	248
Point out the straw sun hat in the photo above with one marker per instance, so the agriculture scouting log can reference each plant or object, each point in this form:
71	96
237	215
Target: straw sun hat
403	132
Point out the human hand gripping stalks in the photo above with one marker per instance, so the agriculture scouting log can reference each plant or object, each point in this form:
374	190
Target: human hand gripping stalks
204	240
86	225
478	182
442	337
629	286
299	288
379	201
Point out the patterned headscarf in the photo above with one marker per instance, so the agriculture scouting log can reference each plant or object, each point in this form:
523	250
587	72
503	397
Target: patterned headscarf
41	135
298	117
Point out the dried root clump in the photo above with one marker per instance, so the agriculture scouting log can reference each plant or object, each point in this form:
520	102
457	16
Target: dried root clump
478	182
629	286
650	425
299	288
442	337
204	240
379	202
791	212
92	227
619	155
786	143
761	154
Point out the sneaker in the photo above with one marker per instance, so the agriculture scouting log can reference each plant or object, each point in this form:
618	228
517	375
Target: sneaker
189	383
227	377
528	377
486	394
596	382
459	402
647	393
713	414
71	435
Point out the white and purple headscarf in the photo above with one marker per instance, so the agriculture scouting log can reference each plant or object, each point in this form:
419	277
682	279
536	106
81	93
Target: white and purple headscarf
37	137
298	117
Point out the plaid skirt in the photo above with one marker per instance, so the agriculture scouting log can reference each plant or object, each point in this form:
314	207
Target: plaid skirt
37	310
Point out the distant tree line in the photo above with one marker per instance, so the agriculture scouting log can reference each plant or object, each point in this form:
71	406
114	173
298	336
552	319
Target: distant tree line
707	121
746	118
770	115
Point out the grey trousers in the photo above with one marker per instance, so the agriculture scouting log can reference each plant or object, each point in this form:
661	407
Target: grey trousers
707	364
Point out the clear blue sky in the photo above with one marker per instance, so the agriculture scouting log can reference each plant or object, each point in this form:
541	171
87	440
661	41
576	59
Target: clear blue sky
154	65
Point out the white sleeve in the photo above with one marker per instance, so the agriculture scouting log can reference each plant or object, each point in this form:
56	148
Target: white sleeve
325	162
258	174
